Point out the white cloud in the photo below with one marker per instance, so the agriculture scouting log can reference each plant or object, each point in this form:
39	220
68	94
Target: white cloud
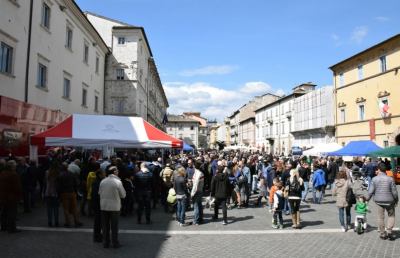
381	18
211	101
255	87
209	70
359	33
279	92
335	37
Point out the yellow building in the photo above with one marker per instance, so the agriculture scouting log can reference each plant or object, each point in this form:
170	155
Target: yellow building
367	87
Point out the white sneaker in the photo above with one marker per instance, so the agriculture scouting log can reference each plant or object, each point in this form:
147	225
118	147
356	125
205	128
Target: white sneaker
343	229
224	223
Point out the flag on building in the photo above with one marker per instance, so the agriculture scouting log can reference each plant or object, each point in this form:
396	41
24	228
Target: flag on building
165	119
384	108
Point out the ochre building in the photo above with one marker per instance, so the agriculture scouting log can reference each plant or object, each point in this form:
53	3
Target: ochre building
367	94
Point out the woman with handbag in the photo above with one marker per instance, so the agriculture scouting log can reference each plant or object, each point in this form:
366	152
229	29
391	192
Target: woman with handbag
341	189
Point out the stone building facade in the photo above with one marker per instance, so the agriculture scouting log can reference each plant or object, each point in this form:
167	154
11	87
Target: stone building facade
132	83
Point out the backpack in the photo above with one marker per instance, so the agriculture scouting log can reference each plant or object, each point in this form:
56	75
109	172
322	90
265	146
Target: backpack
295	185
350	197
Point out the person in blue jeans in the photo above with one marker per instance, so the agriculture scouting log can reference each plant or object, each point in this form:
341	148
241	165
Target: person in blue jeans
180	190
197	194
318	183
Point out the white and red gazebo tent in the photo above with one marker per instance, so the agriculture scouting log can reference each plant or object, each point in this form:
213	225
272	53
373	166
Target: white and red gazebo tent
100	130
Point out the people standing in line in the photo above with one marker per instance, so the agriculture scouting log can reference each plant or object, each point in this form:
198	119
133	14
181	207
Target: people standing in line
220	191
111	192
95	198
318	183
342	185
51	194
67	188
296	187
384	191
144	189
10	195
180	188
197	194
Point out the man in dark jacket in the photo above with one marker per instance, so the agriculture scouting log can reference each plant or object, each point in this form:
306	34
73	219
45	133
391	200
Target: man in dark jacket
144	188
220	191
386	197
10	195
67	189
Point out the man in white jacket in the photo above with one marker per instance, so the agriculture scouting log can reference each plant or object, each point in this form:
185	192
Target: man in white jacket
111	191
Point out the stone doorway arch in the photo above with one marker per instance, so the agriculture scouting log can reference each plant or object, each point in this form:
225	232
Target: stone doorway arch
394	138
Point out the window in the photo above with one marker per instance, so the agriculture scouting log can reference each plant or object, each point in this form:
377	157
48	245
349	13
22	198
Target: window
385	144
192	127
84	97
67	88
277	128
46	16
383	63
120	74
6	56
283	127
119	105
96	103
97	64
42	76
341	79
343	116
361	112
68	40
360	72
121	40
86	53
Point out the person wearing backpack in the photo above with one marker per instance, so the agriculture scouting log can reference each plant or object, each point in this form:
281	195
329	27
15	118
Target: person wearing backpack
296	187
341	190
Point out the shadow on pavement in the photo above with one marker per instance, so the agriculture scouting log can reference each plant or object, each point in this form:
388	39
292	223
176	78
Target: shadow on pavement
311	223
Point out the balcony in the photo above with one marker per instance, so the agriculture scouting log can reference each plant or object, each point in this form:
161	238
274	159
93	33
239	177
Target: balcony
289	114
270	120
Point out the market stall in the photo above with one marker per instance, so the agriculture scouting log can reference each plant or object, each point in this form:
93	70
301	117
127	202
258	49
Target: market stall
101	130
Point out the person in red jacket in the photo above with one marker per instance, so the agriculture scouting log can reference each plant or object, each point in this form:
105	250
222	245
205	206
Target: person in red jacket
10	195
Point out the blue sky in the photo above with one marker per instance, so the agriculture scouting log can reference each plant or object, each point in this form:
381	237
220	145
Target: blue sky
214	55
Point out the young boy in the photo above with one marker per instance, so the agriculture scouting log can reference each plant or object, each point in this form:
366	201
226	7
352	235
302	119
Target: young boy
278	205
272	193
361	211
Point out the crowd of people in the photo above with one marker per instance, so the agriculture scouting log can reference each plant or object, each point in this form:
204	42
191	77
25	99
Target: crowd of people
133	184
